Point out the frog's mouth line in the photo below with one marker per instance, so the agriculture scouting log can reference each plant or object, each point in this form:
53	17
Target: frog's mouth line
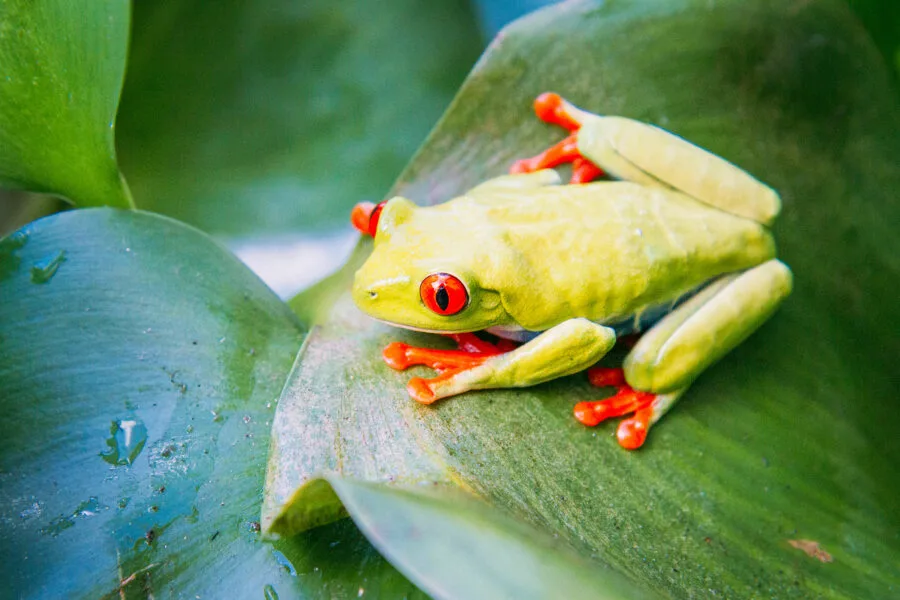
514	333
422	330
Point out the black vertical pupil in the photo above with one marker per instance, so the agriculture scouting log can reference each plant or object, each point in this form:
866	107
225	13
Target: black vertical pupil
442	297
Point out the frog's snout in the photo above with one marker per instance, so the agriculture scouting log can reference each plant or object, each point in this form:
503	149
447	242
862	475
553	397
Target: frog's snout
370	293
363	292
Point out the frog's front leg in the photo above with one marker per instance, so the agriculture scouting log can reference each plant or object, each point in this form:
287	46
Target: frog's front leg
682	345
567	348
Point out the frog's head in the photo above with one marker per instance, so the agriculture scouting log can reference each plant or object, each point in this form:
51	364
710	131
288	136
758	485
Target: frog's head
424	271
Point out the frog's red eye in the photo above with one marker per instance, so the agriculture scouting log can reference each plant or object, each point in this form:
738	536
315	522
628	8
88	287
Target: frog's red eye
444	294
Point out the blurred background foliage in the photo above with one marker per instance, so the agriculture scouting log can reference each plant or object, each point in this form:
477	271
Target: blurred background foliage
882	20
260	119
287	114
278	116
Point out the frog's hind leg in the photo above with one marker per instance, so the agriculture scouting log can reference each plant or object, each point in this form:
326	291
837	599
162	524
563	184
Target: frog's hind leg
551	108
627	149
675	351
651	156
564	349
647	408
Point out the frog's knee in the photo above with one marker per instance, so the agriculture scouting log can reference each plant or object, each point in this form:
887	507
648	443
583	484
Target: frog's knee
676	372
703	330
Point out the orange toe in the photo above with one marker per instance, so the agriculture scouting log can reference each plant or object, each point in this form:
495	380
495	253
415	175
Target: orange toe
632	433
395	355
420	391
584	414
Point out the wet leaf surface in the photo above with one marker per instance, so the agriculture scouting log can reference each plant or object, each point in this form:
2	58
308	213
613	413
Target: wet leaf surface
139	379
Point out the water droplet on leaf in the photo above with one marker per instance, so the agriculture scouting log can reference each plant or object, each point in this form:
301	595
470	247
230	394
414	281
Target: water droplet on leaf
88	508
282	560
269	592
127	439
44	270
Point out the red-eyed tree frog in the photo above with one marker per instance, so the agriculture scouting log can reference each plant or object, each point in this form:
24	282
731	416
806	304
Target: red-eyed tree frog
678	249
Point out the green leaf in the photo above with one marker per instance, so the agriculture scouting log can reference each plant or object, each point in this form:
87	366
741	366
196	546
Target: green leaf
63	64
273	116
790	437
140	365
454	547
18	208
882	19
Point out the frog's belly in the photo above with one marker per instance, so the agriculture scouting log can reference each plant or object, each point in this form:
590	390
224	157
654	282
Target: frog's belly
636	323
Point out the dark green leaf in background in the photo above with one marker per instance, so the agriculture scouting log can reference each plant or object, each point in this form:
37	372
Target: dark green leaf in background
140	365
882	19
242	117
790	439
18	208
493	15
61	69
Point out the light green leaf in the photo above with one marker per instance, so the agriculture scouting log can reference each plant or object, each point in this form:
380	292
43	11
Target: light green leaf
140	366
454	547
62	67
241	116
788	441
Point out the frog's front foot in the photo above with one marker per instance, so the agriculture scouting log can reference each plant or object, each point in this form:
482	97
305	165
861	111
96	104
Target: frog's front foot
551	108
472	352
633	431
364	217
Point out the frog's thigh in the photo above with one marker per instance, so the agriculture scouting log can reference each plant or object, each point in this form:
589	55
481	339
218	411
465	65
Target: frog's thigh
651	156
701	331
567	348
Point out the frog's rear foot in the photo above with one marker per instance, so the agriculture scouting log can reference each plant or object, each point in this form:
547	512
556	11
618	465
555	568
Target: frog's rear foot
632	432
551	108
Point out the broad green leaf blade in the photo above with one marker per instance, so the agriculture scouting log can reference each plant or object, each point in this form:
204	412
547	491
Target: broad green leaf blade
140	364
787	443
276	116
63	62
315	434
454	547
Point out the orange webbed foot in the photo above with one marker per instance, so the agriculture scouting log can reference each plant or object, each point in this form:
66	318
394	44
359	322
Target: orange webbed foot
551	108
472	352
632	432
